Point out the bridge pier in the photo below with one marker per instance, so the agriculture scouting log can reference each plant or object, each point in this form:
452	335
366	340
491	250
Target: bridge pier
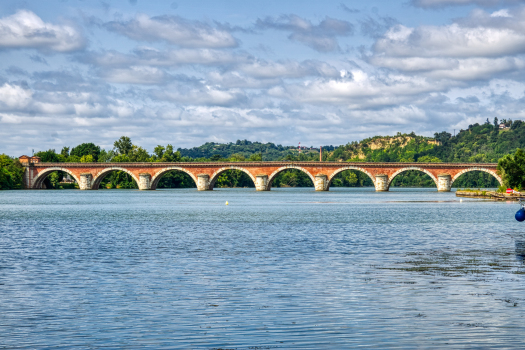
86	182
203	182
381	183
321	182
444	182
144	181
261	183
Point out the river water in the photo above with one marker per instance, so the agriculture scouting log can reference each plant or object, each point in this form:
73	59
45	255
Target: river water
289	268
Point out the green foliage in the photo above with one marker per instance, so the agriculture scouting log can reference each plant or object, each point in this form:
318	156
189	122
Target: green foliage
165	154
86	149
429	159
351	178
138	154
268	151
123	145
11	173
256	157
176	179
234	178
106	156
87	159
48	156
237	157
118	179
512	169
292	178
65	152
73	159
399	148
477	179
413	178
479	143
121	158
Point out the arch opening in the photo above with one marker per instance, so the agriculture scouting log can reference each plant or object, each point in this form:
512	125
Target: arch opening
115	178
351	177
42	181
232	177
56	179
476	178
412	177
291	176
173	178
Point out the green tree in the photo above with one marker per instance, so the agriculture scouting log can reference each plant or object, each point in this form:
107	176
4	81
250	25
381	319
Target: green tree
48	156
11	173
138	154
86	159
512	169
73	159
86	149
237	157
106	156
123	145
65	152
256	157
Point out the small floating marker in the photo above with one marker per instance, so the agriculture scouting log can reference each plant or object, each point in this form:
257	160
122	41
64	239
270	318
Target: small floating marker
461	200
226	202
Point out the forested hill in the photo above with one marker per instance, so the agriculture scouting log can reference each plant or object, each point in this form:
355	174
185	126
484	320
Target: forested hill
268	151
477	144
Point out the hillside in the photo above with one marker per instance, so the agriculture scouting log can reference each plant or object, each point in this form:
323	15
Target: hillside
268	151
399	148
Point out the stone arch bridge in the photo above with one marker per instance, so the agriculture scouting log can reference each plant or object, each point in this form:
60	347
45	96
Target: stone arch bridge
147	175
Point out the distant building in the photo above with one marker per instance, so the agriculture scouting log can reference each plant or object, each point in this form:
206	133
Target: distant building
503	126
26	159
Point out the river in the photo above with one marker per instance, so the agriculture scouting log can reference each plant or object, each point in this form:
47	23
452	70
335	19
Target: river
289	268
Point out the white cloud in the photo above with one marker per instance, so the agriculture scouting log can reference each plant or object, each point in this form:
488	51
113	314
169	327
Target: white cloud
26	29
478	47
450	41
14	97
173	29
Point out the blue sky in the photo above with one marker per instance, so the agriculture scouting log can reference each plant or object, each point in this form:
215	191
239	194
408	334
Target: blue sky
188	72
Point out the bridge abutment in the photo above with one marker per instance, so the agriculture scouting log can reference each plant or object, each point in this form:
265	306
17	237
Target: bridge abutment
444	183
321	182
144	181
203	182
86	181
381	183
261	183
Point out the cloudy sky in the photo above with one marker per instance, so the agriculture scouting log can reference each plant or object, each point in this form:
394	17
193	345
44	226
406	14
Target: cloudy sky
315	72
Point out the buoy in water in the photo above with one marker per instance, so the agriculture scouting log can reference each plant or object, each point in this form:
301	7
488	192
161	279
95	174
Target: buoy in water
227	204
520	215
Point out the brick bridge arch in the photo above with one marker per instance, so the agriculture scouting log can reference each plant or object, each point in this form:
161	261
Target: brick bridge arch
97	179
39	180
391	177
493	173
159	174
335	173
273	175
215	175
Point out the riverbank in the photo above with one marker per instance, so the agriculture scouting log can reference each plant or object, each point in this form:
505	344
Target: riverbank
491	195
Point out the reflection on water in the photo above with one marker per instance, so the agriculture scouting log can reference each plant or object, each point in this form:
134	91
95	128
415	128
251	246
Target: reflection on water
405	269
